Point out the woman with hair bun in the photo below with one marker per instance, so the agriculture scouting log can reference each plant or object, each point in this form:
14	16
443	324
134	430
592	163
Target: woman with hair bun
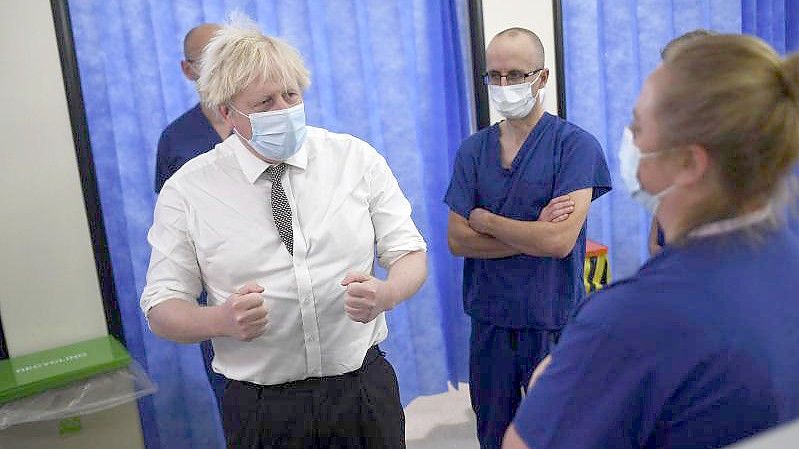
697	349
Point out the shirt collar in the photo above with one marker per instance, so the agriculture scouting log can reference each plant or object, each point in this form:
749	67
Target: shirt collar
253	167
733	224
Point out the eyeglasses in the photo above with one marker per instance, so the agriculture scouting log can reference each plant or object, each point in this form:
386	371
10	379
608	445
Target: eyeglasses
512	77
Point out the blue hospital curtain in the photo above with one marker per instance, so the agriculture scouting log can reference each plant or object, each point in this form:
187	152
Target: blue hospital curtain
390	72
776	22
610	48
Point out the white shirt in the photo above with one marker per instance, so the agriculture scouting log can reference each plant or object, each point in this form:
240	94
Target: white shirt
213	229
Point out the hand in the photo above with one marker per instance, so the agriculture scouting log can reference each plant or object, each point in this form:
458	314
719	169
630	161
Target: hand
557	210
479	220
244	315
539	371
367	297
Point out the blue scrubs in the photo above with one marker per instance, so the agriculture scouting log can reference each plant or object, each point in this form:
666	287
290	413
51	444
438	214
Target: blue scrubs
190	135
518	304
793	212
697	350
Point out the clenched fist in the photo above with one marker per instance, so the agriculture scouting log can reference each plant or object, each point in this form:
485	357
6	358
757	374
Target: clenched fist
366	297
244	315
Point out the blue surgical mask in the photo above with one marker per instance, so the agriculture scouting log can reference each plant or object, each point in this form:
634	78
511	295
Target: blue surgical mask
276	135
629	158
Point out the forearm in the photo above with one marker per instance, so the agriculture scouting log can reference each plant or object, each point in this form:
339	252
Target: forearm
185	322
406	276
470	243
534	238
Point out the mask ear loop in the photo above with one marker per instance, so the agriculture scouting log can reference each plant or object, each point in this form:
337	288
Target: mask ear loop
537	95
537	77
230	105
535	80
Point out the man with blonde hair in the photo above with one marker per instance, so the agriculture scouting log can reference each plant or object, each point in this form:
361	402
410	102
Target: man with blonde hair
280	224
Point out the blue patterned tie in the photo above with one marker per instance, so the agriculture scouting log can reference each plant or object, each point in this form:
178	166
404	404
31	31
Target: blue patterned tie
281	211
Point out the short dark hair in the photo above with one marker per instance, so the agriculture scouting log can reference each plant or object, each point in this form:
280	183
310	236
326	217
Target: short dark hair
687	37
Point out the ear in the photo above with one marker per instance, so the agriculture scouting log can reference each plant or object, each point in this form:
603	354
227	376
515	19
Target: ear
185	67
543	78
693	165
224	111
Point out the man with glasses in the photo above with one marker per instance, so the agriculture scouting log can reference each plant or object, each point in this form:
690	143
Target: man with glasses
193	133
523	274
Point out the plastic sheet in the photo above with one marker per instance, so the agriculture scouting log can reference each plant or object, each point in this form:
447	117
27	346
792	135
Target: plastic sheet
91	395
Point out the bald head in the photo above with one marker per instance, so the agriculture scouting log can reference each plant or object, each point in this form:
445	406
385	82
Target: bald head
193	44
522	40
197	38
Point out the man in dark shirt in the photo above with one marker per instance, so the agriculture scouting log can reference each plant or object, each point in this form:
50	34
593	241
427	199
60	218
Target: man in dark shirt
197	130
193	133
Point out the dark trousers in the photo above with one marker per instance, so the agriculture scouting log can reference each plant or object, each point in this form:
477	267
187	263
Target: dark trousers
501	362
360	409
216	380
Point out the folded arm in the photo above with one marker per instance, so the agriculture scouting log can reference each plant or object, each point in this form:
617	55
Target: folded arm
536	238
466	242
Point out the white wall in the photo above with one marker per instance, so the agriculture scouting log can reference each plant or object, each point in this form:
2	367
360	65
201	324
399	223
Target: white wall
49	291
535	15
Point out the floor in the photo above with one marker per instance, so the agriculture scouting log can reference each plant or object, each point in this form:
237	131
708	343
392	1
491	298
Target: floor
442	421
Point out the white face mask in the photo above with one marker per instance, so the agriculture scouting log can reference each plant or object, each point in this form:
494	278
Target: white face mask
514	101
276	135
629	158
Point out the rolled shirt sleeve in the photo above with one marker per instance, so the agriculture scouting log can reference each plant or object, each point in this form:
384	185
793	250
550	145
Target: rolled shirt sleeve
395	233
173	271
